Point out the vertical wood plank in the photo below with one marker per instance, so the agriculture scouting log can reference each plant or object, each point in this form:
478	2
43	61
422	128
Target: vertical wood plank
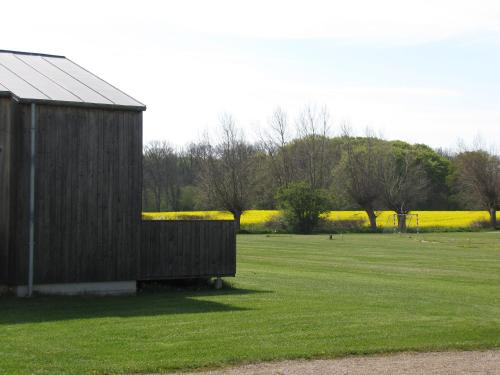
5	184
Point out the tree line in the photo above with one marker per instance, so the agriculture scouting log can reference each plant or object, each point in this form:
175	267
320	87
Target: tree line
299	167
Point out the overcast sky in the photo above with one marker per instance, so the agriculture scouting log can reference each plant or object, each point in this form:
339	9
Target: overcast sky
421	71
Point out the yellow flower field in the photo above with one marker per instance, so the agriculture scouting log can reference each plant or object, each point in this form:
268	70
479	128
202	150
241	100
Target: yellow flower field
427	219
248	218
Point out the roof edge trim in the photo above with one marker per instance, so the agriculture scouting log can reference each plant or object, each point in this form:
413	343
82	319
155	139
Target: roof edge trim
83	105
31	53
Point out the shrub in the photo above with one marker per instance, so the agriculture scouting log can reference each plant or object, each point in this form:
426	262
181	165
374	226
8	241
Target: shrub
276	224
302	205
481	224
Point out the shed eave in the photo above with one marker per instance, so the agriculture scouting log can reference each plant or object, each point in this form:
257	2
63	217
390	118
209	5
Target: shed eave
84	104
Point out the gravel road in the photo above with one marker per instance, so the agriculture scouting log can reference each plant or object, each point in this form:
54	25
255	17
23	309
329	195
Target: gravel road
471	362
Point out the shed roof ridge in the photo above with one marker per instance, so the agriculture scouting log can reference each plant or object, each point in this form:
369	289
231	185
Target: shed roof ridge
31	53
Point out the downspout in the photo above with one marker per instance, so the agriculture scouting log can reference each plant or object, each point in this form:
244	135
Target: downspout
32	200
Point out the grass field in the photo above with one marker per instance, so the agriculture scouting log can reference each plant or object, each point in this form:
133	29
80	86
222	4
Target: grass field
293	297
255	218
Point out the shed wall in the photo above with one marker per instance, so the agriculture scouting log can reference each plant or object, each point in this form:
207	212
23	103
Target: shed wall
19	191
5	170
175	249
88	195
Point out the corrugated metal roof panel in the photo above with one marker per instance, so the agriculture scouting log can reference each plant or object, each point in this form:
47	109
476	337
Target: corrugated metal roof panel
39	77
93	82
36	79
62	78
18	86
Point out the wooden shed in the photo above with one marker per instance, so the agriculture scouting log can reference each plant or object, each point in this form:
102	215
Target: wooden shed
71	186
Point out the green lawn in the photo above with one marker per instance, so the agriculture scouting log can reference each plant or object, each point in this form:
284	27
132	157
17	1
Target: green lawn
293	297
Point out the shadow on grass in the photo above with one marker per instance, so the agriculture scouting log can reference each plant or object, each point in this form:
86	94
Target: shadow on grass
38	309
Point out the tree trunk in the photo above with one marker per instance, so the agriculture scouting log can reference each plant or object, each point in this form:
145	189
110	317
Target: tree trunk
373	219
175	198
493	218
402	223
237	219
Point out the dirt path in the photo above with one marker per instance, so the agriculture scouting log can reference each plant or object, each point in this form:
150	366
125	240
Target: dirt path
473	362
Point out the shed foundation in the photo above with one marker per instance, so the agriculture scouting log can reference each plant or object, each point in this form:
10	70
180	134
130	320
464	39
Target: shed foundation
112	288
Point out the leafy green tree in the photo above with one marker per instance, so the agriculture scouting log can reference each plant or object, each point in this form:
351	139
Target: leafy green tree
302	205
437	168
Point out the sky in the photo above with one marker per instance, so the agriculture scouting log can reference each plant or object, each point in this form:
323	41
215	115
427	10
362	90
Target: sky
420	71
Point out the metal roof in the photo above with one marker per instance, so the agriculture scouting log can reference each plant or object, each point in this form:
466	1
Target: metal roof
37	77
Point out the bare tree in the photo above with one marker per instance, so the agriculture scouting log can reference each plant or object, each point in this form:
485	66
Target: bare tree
357	173
157	172
162	177
312	154
403	181
227	173
275	143
479	178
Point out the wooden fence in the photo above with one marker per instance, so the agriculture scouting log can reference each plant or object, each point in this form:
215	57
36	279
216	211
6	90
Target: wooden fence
172	249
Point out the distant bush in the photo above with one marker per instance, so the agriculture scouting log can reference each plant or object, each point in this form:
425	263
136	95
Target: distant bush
276	224
302	206
481	224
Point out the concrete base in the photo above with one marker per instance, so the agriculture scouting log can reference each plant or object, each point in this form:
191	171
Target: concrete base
111	288
218	283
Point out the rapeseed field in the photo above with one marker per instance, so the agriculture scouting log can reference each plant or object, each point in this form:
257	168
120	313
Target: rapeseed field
427	219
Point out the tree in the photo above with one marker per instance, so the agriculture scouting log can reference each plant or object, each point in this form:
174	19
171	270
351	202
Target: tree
478	175
275	164
313	158
275	144
437	167
227	173
357	173
403	181
309	157
302	205
161	176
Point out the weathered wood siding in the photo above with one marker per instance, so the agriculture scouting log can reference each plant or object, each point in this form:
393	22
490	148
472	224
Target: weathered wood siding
88	195
88	184
187	249
5	171
19	192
